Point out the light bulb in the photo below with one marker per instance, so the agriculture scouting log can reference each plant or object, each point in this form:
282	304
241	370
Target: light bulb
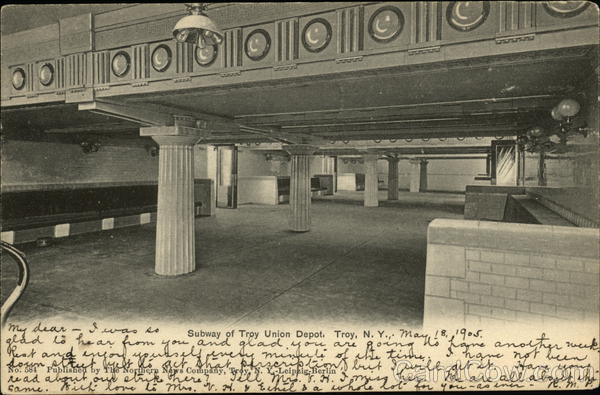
201	42
568	108
555	115
182	35
536	131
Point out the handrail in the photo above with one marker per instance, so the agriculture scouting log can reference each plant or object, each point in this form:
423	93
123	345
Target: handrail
14	296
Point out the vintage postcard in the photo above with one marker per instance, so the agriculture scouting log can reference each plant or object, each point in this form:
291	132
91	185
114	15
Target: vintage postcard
299	197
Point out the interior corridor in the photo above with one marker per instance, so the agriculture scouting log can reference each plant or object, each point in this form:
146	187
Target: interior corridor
356	265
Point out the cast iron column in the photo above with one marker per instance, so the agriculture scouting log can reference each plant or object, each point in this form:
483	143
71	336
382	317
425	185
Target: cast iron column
300	194
393	178
175	233
371	198
418	175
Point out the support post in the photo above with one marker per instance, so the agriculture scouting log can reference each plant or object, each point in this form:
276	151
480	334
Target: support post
393	178
418	175
300	194
542	169
175	233
371	198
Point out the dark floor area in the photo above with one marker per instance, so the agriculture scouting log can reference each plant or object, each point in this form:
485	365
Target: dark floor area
356	265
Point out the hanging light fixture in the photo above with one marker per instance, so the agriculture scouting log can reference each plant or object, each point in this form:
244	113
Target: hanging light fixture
564	113
552	138
197	28
568	108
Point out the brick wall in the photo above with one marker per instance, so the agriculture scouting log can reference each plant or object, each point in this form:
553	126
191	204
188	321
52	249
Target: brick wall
481	272
31	163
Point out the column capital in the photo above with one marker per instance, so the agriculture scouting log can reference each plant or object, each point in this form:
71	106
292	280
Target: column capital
300	149
370	155
174	135
418	161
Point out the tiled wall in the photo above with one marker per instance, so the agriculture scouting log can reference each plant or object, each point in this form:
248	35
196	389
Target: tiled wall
28	162
481	273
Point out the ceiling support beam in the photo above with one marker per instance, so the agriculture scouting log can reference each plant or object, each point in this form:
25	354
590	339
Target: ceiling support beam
95	128
447	108
129	113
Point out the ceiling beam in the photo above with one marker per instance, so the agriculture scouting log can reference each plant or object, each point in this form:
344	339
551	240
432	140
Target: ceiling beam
410	150
220	124
136	114
475	119
95	128
416	134
441	127
438	109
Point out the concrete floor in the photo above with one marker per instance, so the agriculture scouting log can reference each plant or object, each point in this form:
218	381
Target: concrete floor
356	265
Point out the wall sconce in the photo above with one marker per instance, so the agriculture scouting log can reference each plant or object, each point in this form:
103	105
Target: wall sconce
538	139
197	28
564	113
152	150
88	147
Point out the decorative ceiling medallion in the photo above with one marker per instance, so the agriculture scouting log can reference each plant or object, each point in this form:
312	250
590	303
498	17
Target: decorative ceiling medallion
120	64
465	16
386	24
316	35
565	9
257	44
46	74
161	58
18	79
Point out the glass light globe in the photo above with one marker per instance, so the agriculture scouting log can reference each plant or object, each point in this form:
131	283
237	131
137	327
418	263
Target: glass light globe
536	131
555	115
568	108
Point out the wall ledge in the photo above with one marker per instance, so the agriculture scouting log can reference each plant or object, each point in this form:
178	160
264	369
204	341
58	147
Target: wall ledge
530	238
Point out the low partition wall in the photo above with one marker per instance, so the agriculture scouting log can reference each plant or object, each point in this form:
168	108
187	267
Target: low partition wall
346	182
31	212
575	206
481	272
258	190
326	183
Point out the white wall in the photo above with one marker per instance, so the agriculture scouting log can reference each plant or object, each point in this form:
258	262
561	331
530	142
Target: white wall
443	174
257	189
454	174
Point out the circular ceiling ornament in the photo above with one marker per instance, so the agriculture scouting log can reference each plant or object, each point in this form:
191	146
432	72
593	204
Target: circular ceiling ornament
161	58
206	56
18	79
257	44
46	74
386	24
316	35
120	63
565	9
465	16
